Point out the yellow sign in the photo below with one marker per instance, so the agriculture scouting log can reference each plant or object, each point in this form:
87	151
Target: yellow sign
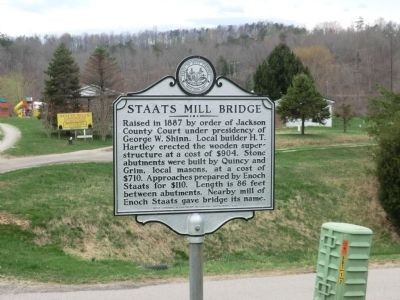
74	121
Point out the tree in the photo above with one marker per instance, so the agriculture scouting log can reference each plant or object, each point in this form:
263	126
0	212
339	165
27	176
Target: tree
103	73
276	72
13	87
321	63
384	125
303	102
345	112
5	41
222	66
62	86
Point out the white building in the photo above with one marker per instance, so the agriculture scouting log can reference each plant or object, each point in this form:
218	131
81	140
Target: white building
309	122
90	93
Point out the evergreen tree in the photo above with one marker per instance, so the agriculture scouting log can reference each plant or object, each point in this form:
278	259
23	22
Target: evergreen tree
276	72
62	86
5	41
222	67
384	125
103	72
303	102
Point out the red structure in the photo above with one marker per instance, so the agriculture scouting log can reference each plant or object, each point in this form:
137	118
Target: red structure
4	108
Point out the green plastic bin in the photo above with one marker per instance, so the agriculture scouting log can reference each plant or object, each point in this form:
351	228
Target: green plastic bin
342	268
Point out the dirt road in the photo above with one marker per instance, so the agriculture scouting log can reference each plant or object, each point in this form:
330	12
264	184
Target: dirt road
96	155
11	135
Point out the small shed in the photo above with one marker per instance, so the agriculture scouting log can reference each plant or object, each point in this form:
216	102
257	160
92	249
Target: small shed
90	93
4	107
309	122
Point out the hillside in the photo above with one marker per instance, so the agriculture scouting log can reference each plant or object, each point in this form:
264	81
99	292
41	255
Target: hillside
346	63
57	222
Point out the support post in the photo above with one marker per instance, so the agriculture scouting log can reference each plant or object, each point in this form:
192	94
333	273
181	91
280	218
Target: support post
196	239
196	267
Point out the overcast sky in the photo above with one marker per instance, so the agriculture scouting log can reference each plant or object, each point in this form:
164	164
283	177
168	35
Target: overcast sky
40	17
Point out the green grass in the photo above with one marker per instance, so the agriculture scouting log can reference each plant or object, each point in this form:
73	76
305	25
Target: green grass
73	237
323	136
46	203
24	259
34	140
357	125
71	234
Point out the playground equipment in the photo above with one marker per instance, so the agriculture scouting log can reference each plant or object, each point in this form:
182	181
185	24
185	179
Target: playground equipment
36	108
28	108
21	109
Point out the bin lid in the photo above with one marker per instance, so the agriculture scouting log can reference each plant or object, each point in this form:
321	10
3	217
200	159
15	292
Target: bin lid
347	228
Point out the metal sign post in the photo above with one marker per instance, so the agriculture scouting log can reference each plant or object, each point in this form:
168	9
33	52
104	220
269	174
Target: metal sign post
193	152
196	225
196	268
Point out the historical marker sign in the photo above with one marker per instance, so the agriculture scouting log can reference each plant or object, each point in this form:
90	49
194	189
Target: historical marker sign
193	144
70	121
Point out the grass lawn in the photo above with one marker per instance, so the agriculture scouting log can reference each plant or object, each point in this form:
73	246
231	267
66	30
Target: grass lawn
322	136
57	223
34	140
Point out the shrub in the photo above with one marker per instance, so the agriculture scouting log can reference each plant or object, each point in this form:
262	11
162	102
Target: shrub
385	127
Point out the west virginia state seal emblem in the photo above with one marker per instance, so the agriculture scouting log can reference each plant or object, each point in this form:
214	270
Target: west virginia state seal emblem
195	75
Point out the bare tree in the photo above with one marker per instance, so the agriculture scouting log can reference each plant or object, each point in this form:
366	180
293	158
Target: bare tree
345	113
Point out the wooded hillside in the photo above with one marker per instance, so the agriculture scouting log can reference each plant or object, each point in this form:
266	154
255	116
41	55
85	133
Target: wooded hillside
347	64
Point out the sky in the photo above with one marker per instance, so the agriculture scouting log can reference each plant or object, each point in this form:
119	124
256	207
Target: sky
47	17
